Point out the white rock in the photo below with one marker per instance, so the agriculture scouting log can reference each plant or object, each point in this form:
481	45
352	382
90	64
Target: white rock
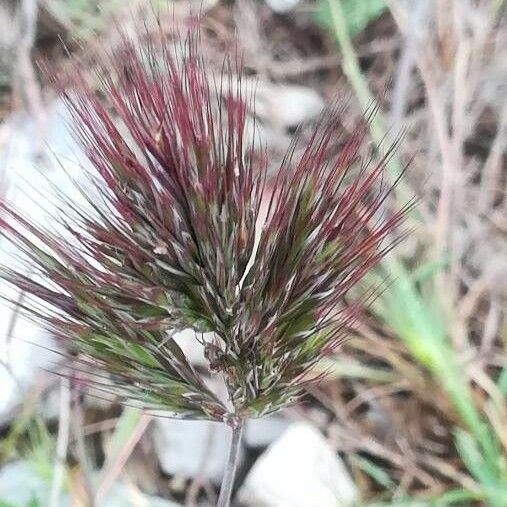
20	485
282	5
266	133
286	105
185	448
299	470
192	345
264	431
20	359
24	352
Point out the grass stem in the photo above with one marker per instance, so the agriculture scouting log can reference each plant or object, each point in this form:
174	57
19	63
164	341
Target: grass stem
352	69
224	499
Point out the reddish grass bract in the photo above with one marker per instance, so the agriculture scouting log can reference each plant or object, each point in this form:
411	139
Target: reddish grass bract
167	240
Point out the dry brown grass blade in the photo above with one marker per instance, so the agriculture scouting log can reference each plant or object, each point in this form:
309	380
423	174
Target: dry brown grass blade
115	464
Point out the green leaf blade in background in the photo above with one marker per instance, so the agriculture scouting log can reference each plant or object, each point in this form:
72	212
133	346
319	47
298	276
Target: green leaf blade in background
358	14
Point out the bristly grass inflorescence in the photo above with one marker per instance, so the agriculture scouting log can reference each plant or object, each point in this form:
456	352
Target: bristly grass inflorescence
174	237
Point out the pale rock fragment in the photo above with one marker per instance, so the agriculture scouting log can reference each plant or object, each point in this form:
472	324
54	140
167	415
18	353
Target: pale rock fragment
299	470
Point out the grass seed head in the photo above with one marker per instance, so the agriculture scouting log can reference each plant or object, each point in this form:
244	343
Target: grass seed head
170	239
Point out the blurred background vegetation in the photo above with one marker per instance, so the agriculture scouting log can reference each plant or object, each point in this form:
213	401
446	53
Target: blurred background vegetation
415	404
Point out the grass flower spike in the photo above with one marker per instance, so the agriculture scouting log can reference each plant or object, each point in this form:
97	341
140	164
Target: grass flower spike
173	237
